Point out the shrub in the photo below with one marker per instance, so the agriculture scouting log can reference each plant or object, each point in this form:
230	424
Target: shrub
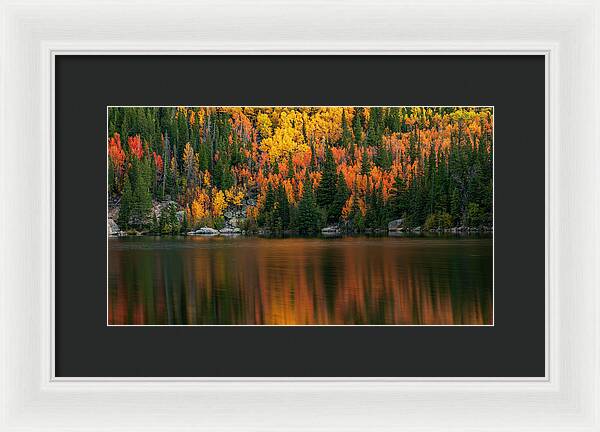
441	220
475	216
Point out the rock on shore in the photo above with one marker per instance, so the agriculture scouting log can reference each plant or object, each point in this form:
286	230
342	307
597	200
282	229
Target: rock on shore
113	228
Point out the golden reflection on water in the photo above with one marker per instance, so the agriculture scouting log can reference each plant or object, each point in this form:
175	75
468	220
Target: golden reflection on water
298	281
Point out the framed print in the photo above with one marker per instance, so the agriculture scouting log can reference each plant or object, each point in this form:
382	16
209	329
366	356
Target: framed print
410	259
248	216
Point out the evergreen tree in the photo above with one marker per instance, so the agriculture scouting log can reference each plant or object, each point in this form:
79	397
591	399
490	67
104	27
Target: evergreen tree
282	210
365	167
341	196
328	185
357	127
346	134
269	199
393	122
374	128
398	205
141	197
173	220
184	224
308	215
125	208
383	158
376	216
356	216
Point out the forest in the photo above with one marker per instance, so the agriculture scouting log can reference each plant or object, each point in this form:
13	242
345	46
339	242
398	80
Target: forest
172	170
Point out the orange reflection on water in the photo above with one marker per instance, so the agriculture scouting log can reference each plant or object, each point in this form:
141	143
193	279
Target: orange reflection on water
299	281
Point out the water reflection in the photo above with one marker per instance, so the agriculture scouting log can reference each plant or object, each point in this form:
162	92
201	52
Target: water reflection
300	281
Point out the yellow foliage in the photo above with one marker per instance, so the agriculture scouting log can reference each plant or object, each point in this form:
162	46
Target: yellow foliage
264	125
206	178
234	196
218	202
200	206
188	159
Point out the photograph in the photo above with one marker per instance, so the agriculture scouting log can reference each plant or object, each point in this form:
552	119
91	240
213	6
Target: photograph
300	215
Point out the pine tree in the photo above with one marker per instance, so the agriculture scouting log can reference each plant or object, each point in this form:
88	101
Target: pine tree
308	215
371	216
375	128
365	167
141	201
269	199
282	213
357	128
393	120
184	224
125	207
341	196
346	134
397	199
383	158
328	185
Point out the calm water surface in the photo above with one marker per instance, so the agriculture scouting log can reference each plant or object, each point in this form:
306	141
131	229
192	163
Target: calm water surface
352	280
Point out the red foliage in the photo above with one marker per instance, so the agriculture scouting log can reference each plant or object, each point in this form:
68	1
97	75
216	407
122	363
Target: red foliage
158	162
116	153
135	146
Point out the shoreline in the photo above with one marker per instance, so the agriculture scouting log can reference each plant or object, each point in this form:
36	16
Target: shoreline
266	235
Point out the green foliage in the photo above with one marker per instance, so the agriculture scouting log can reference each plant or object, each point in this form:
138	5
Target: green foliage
168	221
282	209
328	186
347	139
437	221
309	218
341	196
365	167
357	128
376	216
475	215
125	208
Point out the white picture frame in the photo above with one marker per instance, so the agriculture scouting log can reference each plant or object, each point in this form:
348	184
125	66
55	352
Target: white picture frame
566	33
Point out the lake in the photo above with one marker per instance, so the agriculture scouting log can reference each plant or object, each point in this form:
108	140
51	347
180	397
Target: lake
300	281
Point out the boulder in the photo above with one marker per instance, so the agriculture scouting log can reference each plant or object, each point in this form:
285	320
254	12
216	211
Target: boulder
206	231
230	231
113	228
331	230
396	225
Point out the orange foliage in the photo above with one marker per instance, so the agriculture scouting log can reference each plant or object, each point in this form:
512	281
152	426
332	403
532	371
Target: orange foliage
135	146
116	153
